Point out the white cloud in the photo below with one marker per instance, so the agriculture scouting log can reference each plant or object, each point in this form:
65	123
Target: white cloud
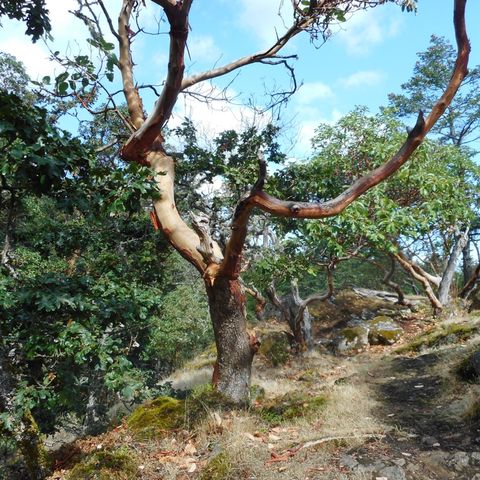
310	92
266	19
62	21
33	56
217	116
203	49
365	29
367	78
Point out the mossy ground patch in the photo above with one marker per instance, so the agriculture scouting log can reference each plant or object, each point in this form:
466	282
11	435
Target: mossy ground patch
117	464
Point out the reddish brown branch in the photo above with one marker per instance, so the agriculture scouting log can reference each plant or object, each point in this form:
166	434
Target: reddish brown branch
134	101
258	198
141	141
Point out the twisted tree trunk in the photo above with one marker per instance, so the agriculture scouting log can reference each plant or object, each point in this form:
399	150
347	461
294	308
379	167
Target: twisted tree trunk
220	270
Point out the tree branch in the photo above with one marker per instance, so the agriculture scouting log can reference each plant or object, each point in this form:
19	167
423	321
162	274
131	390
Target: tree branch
134	102
409	267
260	300
258	198
317	297
141	141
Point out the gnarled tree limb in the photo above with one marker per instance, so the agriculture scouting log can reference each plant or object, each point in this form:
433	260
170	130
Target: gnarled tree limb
258	198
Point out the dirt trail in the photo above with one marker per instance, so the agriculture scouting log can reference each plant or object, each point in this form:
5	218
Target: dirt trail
430	438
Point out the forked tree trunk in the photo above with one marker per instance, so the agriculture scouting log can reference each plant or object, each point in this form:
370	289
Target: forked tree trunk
235	347
145	146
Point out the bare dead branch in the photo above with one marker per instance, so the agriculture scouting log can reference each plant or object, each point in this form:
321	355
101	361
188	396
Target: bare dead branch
109	20
317	297
433	279
269	53
109	145
409	267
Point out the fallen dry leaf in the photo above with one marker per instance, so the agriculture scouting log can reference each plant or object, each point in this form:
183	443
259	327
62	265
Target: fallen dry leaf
190	449
217	418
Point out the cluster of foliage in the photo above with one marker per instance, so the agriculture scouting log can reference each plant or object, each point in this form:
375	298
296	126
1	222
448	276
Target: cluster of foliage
91	312
33	12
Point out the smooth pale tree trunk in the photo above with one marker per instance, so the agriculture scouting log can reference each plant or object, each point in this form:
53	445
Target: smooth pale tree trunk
468	262
448	274
235	347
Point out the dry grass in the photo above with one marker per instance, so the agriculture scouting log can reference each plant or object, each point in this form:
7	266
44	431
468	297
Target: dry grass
349	412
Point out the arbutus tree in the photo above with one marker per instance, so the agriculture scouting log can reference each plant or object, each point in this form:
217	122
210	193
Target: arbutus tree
220	267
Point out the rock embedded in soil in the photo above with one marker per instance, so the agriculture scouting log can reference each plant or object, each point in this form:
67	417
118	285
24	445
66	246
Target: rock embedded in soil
351	338
475	457
393	472
383	331
348	461
429	441
459	461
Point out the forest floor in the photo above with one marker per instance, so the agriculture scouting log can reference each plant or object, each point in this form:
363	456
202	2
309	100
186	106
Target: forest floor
406	411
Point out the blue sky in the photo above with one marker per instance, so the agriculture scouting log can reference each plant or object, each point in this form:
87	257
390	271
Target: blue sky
367	58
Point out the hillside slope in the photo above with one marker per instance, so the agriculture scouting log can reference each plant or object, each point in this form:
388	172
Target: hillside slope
405	411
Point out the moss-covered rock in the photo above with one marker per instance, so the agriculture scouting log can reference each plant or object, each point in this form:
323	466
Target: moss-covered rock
156	417
468	368
118	464
290	406
275	347
351	338
218	468
442	335
383	331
